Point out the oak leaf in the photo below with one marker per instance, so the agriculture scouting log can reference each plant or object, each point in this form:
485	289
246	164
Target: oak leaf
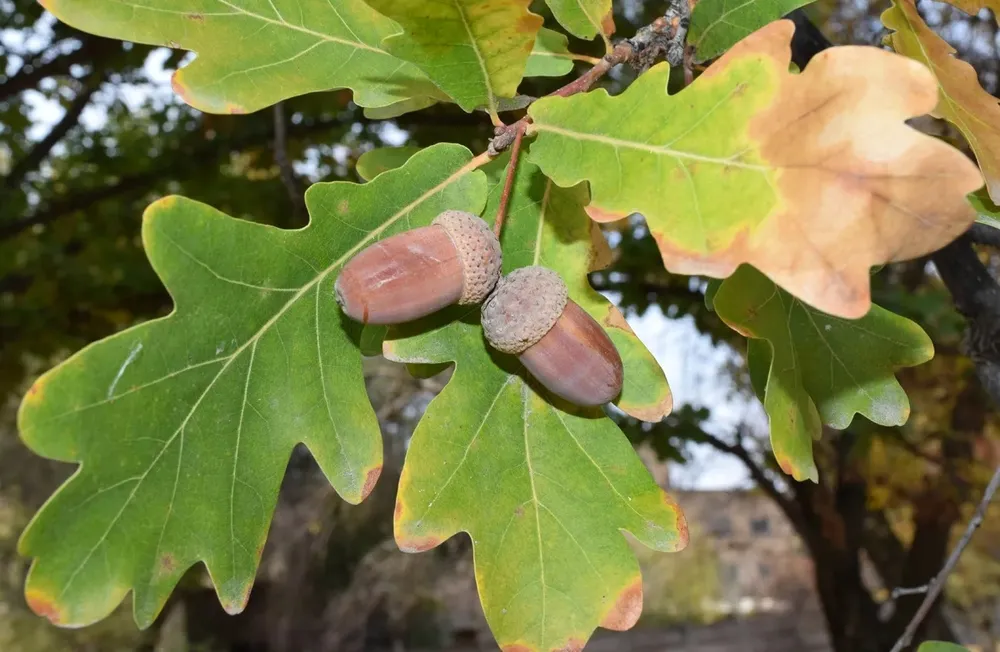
474	50
812	369
962	100
311	45
813	178
183	426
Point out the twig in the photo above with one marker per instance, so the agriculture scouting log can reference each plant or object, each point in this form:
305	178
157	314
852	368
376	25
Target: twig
515	153
899	592
934	588
663	38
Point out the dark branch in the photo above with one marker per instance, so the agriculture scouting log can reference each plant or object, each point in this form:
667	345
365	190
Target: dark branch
984	235
41	150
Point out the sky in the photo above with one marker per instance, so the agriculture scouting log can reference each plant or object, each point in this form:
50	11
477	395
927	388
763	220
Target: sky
694	367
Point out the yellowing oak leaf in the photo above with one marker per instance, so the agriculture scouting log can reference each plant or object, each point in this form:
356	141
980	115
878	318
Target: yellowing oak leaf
962	101
584	18
474	50
972	7
812	178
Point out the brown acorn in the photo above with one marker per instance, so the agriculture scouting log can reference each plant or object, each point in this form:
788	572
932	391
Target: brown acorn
413	274
530	315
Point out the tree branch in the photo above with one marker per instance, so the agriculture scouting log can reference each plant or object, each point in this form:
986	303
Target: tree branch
285	168
937	584
41	150
984	235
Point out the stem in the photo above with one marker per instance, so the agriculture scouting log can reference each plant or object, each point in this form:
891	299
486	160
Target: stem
515	154
934	588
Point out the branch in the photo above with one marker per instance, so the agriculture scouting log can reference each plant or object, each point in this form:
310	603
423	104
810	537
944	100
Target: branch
934	588
984	235
41	150
757	473
285	168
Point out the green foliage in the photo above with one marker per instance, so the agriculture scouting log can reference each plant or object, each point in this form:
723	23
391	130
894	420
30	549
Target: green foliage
184	425
583	18
312	45
717	25
551	564
813	369
937	646
987	212
474	50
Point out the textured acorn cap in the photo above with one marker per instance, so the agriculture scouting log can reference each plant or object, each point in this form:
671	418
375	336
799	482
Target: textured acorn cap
524	307
479	251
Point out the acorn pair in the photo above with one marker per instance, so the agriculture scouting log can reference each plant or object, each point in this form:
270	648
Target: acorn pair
527	313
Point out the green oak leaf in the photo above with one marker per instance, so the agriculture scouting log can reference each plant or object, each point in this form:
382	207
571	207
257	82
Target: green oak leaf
583	18
382	159
474	50
549	58
938	646
717	25
547	225
987	212
252	54
182	426
543	493
813	368
721	180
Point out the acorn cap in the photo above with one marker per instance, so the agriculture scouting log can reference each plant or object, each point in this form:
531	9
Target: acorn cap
479	250
524	307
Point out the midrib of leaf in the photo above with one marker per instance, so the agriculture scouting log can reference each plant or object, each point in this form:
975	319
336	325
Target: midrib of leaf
479	58
298	28
957	109
525	399
468	167
653	149
541	221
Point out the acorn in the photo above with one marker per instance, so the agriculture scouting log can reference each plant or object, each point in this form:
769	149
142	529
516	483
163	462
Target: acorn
413	274
530	315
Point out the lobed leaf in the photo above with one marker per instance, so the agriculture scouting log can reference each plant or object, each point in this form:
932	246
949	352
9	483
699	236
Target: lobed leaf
812	368
962	101
543	493
473	50
987	212
182	426
254	53
717	25
584	18
938	646
812	178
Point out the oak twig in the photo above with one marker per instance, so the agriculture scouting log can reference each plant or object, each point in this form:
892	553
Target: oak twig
934	588
515	154
285	169
663	38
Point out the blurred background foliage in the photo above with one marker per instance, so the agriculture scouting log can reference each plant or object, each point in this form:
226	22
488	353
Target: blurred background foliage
90	133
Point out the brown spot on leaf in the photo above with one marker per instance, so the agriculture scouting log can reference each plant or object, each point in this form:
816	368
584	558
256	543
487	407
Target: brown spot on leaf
601	255
519	512
417	544
168	563
178	86
599	214
614	319
572	645
173	44
608	24
681	523
370	479
627	608
516	647
343	206
235	109
196	17
397	513
44	606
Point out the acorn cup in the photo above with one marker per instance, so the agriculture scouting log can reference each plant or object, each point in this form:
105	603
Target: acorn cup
413	274
530	315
